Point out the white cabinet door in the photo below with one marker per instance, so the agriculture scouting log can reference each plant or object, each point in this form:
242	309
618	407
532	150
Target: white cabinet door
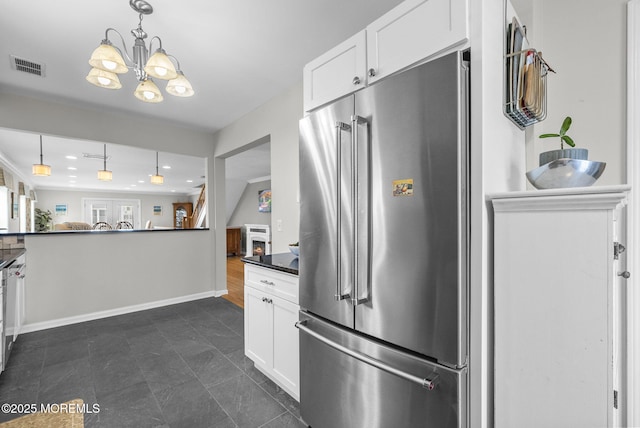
556	316
286	358
270	336
412	32
338	72
258	327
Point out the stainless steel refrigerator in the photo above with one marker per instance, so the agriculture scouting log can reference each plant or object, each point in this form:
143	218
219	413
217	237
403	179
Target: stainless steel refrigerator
384	189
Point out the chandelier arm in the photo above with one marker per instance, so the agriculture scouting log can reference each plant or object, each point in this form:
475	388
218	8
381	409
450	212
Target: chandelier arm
176	60
124	45
151	43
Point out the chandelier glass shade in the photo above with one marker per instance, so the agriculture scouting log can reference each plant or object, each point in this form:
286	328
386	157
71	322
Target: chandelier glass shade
40	169
157	179
104	79
108	61
180	86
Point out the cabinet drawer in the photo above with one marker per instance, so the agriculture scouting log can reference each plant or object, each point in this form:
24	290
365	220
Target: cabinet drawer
271	281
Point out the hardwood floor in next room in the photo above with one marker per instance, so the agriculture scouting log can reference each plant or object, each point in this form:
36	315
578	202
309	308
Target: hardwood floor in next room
235	281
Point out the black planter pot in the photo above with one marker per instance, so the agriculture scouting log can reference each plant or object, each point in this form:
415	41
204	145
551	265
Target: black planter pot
550	156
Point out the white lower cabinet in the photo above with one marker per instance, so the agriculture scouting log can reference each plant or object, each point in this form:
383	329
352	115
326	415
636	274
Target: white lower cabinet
559	278
270	335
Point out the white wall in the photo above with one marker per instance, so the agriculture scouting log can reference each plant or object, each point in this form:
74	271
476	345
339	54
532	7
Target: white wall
247	207
48	199
497	165
585	42
277	119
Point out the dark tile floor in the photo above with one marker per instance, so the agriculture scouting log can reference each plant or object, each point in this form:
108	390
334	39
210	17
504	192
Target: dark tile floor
176	366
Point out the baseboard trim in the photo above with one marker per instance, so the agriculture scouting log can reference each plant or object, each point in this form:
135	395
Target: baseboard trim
43	325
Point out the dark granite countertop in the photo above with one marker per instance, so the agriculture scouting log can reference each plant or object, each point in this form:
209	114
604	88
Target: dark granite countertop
284	262
8	256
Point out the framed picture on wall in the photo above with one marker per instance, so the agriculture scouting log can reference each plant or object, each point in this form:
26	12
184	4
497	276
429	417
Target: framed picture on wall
61	209
264	201
157	210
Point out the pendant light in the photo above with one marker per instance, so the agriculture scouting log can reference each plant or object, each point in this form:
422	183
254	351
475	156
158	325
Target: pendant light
104	174
157	179
40	169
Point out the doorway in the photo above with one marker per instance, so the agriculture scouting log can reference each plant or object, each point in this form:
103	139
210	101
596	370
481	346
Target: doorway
247	176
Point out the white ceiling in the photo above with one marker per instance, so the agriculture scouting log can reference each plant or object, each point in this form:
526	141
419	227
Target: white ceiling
131	166
237	54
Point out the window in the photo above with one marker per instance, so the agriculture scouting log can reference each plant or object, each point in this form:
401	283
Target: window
112	211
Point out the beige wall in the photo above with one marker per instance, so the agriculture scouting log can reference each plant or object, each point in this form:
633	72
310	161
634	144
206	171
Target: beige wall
81	273
278	120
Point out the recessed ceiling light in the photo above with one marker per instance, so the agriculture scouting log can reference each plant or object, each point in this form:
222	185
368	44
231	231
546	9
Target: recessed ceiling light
72	182
71	157
72	168
132	185
173	190
166	166
189	181
140	181
73	176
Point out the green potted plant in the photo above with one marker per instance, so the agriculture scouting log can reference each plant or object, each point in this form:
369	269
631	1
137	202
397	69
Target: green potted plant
42	221
562	153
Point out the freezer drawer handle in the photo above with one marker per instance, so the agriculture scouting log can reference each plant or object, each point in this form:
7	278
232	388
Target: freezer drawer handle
264	281
429	384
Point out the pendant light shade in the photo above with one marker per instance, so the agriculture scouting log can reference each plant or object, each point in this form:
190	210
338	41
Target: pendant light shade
40	169
157	179
106	57
104	174
180	86
160	66
148	92
104	79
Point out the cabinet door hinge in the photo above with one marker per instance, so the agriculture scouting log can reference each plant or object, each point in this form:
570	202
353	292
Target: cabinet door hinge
618	249
615	399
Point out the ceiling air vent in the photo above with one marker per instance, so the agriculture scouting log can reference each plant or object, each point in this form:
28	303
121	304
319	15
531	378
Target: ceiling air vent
26	66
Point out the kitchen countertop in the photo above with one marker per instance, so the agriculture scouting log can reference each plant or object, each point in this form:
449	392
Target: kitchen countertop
8	256
284	262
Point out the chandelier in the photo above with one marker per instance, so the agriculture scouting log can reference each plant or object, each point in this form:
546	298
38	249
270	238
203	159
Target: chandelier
107	63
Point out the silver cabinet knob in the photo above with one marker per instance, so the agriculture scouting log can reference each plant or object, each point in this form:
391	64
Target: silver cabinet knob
625	274
372	72
356	80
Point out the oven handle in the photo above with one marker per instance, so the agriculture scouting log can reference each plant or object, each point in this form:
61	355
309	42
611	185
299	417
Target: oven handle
429	384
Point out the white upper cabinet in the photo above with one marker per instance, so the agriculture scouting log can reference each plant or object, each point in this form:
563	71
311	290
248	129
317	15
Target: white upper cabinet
408	34
412	32
338	72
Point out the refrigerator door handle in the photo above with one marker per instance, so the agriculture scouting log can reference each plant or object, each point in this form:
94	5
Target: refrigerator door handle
358	275
427	383
340	126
